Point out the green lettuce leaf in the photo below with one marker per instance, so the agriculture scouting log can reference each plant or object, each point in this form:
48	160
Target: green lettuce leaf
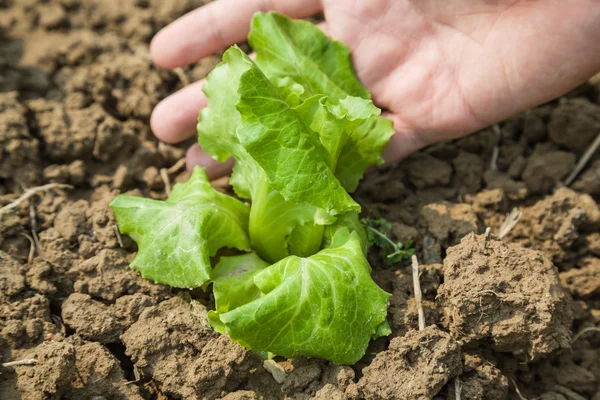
296	53
292	156
218	122
278	227
363	149
324	306
233	281
351	132
177	237
349	221
300	51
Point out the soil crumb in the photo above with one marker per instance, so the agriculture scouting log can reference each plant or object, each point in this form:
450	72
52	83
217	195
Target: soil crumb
509	296
416	366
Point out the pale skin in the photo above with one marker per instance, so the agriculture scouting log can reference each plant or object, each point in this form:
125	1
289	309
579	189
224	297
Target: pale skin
441	68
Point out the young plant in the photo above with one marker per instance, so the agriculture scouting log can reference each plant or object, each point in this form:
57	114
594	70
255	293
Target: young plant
394	252
302	130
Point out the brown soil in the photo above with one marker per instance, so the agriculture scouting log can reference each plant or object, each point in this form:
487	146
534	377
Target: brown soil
76	92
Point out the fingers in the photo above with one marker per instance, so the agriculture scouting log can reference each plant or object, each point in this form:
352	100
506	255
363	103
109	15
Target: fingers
174	119
216	26
214	169
404	142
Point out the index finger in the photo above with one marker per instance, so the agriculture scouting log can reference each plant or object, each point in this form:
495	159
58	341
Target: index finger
216	26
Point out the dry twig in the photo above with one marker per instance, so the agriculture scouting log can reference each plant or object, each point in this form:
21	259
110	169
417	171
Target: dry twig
496	151
418	293
584	331
164	175
509	223
517	389
10	364
33	218
38	245
31	192
31	248
118	235
488	233
583	161
457	388
176	167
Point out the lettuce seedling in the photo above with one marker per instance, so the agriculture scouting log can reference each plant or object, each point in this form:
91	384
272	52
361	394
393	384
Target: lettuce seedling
302	130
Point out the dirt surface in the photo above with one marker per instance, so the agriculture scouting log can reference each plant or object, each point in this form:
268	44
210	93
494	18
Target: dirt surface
76	91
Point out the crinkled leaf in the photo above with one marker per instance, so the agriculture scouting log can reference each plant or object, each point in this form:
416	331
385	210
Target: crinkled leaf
292	92
363	149
301	51
324	306
348	221
351	132
276	224
177	237
294	160
218	122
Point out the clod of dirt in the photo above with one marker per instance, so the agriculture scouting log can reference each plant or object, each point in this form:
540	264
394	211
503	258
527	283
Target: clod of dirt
241	395
99	374
107	276
66	135
71	221
129	308
403	233
73	173
555	223
469	172
26	322
576	369
128	83
490	199
589	181
12	279
53	373
220	368
583	282
166	342
425	170
516	168
574	124
544	170
481	380
534	124
593	243
91	319
514	190
102	219
416	366
50	51
304	373
507	295
10	225
19	150
448	222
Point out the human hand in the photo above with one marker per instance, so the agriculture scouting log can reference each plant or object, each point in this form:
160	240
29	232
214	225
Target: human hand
442	69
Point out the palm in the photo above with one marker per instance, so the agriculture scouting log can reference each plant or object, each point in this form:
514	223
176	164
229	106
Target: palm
441	68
